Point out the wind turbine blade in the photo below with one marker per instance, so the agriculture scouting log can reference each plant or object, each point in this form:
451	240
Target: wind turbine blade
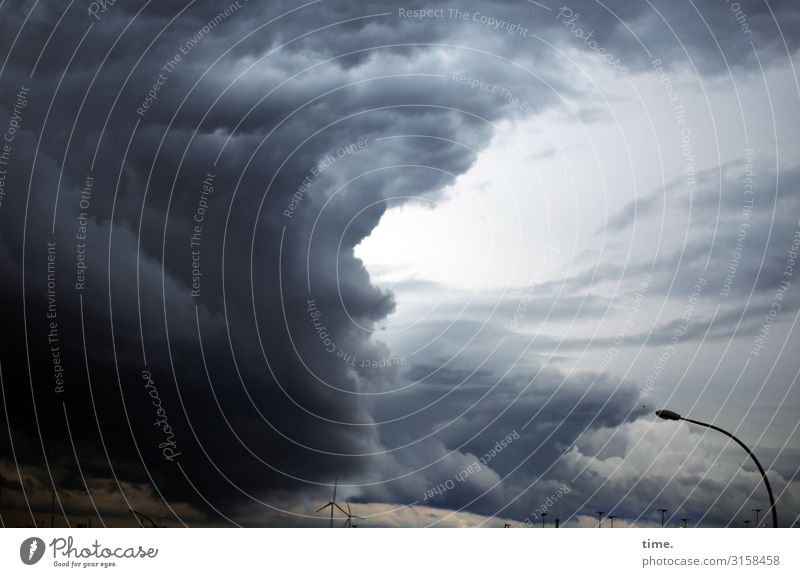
350	513
335	483
323	507
342	510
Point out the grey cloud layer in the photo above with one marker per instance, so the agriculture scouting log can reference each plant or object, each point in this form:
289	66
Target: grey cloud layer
269	409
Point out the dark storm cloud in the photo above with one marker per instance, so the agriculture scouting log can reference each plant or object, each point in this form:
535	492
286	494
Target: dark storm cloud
543	413
271	407
248	418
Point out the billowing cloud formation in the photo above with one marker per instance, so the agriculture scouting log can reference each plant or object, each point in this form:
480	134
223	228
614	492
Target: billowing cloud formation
187	325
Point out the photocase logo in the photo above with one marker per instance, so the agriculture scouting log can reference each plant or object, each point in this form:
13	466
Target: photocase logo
31	550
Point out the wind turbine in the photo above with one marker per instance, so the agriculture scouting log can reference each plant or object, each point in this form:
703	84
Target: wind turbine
332	503
350	517
139	516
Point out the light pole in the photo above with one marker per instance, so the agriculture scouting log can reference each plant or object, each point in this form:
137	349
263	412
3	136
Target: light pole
757	511
747	523
685	522
673	416
612	517
543	516
662	511
600	519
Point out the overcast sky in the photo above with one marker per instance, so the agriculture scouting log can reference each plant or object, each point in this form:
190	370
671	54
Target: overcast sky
450	256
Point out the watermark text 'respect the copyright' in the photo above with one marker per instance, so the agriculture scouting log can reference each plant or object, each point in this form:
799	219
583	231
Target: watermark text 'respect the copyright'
510	28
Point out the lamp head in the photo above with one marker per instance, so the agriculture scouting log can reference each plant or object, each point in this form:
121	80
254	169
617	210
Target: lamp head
668	415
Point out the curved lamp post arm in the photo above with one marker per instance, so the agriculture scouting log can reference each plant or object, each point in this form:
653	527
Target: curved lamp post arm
673	416
772	508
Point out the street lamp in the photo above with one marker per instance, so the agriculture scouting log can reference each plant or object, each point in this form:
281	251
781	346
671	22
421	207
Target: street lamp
673	416
543	516
600	519
662	511
612	517
757	511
